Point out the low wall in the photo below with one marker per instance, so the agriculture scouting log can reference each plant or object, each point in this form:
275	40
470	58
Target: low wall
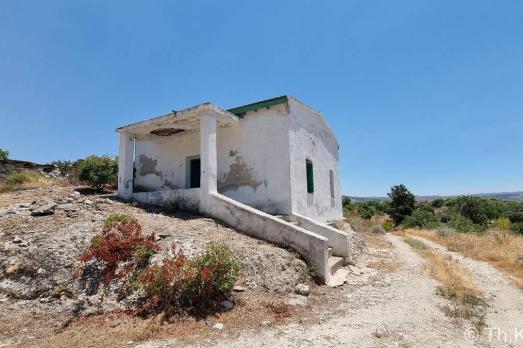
255	223
337	240
187	199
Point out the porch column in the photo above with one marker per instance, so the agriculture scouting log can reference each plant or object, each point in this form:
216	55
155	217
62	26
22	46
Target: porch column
208	160
125	166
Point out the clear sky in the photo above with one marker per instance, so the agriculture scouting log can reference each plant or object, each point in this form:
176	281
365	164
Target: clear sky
424	93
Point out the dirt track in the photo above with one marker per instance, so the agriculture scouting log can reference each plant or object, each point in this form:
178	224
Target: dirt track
400	308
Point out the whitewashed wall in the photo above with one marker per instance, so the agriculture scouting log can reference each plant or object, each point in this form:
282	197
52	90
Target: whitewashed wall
311	138
160	164
256	156
253	161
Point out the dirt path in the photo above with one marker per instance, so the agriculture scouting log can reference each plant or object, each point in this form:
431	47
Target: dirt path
505	314
391	308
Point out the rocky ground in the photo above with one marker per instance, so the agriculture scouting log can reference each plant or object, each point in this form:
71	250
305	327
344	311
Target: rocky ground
387	299
43	231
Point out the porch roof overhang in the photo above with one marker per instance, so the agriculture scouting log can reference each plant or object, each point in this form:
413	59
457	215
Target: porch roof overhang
182	120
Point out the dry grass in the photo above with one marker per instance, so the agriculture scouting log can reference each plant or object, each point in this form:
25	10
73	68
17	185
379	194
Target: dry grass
22	181
450	274
364	228
252	311
457	285
501	249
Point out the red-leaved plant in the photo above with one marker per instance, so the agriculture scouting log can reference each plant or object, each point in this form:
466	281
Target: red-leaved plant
121	241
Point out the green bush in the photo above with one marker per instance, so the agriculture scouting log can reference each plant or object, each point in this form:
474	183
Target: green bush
402	203
517	227
443	217
479	210
462	224
366	210
387	225
4	154
199	283
98	171
223	268
438	203
421	218
516	216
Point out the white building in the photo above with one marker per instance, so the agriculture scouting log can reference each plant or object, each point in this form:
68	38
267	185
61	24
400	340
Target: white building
269	169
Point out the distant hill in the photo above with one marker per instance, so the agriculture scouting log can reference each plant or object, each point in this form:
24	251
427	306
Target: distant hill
503	196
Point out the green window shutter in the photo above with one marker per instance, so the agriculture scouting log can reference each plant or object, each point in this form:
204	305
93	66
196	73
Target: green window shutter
310	177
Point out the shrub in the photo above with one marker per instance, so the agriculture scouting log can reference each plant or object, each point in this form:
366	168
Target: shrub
378	229
98	171
438	203
402	203
19	180
462	224
4	154
421	218
443	217
478	210
516	216
347	204
502	224
198	283
517	227
366	210
121	241
387	225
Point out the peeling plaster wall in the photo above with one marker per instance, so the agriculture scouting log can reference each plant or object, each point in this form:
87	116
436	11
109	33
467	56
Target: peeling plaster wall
160	162
310	138
255	165
253	161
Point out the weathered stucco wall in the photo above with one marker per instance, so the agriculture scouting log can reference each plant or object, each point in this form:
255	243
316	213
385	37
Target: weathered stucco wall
253	161
184	199
311	138
160	163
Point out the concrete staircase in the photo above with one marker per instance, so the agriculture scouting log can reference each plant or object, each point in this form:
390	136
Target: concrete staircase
335	262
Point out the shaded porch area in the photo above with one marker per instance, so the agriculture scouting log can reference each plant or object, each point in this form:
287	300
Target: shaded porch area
172	159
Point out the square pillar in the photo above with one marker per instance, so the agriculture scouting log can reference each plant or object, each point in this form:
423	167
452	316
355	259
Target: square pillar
125	166
208	160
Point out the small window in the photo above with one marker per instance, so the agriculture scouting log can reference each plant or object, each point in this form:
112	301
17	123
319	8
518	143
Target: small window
331	178
310	176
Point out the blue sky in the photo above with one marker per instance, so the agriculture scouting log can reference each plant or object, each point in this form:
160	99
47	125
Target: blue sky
424	93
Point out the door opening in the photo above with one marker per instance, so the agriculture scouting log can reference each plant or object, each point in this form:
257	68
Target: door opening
194	173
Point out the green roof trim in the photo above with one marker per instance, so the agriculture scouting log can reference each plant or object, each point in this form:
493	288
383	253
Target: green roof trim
241	110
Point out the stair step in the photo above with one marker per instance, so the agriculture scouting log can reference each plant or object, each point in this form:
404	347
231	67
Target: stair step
335	262
330	252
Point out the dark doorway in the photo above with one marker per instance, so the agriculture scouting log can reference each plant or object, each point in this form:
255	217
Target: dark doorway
195	173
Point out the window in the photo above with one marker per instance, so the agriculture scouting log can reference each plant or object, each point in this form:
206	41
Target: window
331	178
310	176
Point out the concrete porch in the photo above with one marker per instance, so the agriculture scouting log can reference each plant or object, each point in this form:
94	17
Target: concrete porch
192	131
